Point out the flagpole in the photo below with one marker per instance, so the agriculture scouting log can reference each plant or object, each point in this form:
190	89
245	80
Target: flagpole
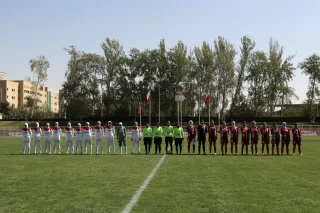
159	103
150	110
199	104
140	111
209	107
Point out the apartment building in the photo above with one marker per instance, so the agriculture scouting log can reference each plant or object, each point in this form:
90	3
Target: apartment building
17	91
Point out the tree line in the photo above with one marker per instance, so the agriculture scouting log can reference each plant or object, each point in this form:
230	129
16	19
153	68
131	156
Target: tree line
241	81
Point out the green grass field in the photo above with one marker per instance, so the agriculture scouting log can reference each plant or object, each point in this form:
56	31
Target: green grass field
183	183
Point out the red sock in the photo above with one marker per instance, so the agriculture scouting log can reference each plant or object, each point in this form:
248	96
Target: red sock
193	148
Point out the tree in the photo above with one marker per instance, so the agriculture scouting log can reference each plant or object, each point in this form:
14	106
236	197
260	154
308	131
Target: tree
311	68
5	108
39	67
246	51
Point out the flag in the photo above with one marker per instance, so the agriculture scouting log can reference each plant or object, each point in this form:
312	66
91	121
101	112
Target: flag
207	100
139	108
148	98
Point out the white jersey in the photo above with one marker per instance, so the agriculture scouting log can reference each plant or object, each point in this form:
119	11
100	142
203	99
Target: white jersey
57	133
26	132
135	132
110	131
99	132
37	132
79	133
87	132
69	133
47	133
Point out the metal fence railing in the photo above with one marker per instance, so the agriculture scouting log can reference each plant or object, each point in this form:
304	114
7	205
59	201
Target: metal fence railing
4	131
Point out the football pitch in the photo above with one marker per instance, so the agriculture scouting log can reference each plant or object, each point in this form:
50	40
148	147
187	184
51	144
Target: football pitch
171	183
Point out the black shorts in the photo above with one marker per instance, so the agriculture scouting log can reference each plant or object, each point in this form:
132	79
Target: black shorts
147	141
157	140
169	140
178	141
201	141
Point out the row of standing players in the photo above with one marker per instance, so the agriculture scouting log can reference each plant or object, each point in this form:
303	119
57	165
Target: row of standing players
172	136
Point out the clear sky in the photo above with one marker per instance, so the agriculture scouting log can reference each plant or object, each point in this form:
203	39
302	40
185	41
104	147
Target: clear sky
35	27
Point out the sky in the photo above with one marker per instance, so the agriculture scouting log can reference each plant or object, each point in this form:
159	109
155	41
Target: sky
36	27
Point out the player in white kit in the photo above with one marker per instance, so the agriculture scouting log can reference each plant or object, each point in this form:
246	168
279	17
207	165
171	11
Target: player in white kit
37	132
79	135
135	137
56	137
47	138
110	132
99	137
87	137
69	138
26	133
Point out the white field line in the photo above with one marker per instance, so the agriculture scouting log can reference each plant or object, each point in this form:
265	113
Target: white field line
135	198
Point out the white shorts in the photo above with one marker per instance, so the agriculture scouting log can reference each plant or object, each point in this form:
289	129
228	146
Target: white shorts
56	141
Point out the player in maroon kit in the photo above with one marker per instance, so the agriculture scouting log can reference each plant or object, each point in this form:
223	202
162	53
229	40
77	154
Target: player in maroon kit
224	133
265	137
285	139
212	137
234	137
275	134
192	131
254	132
245	134
297	138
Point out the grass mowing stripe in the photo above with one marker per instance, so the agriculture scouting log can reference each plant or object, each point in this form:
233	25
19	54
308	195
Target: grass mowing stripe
135	198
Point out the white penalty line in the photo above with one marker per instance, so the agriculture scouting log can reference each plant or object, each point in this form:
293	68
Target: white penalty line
136	197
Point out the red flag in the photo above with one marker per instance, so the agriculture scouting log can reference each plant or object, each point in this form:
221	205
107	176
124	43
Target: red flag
139	108
207	101
148	98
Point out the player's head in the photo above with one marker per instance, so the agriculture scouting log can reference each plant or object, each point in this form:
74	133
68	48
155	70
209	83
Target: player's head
120	124
264	124
87	124
69	124
244	124
253	123
56	124
275	125
98	123
284	124
190	122
48	124
37	124
109	123
26	125
169	123
212	122
233	123
135	123
295	125
147	124
79	125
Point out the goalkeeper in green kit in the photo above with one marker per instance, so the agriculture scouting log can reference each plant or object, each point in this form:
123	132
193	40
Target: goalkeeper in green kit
122	137
147	138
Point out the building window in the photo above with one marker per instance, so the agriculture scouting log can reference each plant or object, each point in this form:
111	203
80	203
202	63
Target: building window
26	91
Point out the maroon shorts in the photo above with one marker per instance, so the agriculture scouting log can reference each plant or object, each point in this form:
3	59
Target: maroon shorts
254	142
297	142
234	141
285	142
265	141
224	141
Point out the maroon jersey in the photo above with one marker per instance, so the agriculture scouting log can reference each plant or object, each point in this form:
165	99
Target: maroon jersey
245	135
212	133
98	127
69	128
224	132
254	133
285	133
275	133
265	135
297	135
36	128
47	129
78	129
192	130
88	128
109	127
234	132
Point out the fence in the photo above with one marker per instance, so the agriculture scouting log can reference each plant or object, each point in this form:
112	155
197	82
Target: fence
307	130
